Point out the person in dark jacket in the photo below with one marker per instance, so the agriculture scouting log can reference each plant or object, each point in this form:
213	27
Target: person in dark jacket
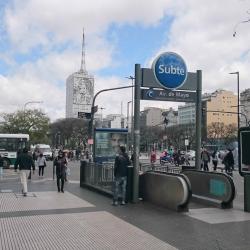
120	172
25	163
60	163
228	161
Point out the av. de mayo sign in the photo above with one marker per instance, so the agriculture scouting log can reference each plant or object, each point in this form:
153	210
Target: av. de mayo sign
170	70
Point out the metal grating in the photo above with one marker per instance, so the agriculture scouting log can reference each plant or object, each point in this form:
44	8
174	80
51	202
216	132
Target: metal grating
92	230
10	202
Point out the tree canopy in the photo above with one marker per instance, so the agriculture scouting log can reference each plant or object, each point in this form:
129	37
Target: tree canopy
29	121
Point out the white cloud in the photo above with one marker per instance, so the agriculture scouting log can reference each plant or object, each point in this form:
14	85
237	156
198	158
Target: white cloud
203	35
200	31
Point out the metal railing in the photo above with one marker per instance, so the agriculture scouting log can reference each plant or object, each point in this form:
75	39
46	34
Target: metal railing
99	175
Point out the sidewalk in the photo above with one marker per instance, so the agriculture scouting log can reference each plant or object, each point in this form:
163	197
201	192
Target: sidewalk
81	219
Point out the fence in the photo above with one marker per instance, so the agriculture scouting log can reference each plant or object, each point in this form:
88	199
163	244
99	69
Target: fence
100	176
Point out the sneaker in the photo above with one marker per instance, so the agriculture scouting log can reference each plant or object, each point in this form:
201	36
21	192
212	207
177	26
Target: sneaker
62	191
115	203
123	203
24	194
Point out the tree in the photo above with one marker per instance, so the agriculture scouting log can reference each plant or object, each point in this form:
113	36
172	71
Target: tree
218	131
69	132
30	121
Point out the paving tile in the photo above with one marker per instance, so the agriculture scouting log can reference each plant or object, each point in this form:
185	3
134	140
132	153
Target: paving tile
216	215
92	230
11	202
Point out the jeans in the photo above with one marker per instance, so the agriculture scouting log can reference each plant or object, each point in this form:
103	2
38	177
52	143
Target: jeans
120	188
41	168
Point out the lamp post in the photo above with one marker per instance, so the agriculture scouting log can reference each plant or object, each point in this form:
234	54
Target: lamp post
24	106
238	95
132	103
128	123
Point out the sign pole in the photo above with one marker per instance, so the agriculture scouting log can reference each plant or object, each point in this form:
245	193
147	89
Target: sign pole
198	120
136	149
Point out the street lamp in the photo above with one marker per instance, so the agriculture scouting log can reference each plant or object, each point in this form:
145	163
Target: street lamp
31	103
238	95
128	123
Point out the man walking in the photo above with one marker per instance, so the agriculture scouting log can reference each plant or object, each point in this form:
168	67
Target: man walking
205	157
25	162
120	172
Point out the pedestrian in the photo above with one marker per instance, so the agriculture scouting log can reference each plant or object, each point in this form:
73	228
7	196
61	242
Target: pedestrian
215	159
120	172
153	156
228	161
60	163
205	158
25	163
41	163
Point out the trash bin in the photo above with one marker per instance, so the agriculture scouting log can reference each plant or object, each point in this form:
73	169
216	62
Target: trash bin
83	165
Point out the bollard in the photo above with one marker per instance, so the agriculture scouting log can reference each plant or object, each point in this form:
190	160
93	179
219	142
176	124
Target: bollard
1	172
53	172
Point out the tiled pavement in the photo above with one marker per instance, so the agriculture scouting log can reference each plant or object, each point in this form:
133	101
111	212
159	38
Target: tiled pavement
81	219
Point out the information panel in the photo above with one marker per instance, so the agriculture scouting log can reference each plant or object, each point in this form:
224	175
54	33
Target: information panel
107	142
244	153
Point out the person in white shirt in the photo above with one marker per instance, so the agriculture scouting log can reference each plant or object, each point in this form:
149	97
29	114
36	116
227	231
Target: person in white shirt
41	163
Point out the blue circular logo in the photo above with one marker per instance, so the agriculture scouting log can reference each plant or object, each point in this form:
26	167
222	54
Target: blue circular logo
170	70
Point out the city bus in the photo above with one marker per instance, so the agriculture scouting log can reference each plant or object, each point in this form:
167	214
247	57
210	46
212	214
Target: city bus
10	144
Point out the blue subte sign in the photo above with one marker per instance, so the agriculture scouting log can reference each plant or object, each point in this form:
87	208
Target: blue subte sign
170	70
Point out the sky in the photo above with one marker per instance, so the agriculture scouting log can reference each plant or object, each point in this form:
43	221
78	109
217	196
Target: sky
40	46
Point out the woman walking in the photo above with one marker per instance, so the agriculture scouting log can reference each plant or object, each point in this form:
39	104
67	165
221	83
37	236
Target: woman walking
41	163
60	163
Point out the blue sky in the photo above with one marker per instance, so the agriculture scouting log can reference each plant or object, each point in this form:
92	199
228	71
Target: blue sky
135	44
40	46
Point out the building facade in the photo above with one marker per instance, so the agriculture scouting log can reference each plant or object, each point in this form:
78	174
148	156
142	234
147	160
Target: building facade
221	102
79	94
186	113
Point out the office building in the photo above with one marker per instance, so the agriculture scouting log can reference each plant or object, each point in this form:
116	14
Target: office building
79	91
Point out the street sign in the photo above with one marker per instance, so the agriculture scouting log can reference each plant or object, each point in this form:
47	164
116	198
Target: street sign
186	142
90	141
84	115
167	95
170	70
149	81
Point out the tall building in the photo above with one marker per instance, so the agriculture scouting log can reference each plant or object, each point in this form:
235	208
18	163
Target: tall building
79	90
245	107
153	116
221	101
186	113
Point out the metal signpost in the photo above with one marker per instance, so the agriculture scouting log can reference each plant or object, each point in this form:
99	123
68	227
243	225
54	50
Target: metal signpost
168	80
